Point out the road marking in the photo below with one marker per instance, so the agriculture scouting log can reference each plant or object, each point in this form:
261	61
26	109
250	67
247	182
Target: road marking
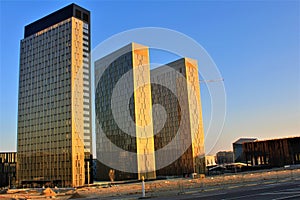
239	197
287	191
208	195
279	193
265	193
288	197
293	189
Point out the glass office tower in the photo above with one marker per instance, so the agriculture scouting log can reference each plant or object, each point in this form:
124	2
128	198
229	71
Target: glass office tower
54	106
147	128
179	142
124	132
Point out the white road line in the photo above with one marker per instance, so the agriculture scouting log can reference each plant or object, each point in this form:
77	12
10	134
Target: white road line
208	195
241	197
288	197
278	193
293	189
287	192
265	193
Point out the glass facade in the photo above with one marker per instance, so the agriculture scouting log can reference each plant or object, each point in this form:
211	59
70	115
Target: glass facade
54	118
131	62
8	162
175	86
127	138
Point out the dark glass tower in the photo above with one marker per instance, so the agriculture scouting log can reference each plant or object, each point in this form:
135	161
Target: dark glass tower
54	107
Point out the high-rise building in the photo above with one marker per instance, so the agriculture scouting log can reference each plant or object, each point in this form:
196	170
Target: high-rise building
124	140
127	116
54	106
179	144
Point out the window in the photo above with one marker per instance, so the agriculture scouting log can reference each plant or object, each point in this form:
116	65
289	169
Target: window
78	14
85	17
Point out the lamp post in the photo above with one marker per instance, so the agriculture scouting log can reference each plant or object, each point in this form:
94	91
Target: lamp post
143	187
88	169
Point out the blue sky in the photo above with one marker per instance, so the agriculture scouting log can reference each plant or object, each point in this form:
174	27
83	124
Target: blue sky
255	45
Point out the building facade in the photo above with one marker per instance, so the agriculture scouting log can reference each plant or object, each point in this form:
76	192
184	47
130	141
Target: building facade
179	144
224	157
127	139
273	153
210	160
8	161
54	104
238	155
124	132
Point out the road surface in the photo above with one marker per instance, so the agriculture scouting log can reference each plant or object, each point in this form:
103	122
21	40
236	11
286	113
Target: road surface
274	191
278	191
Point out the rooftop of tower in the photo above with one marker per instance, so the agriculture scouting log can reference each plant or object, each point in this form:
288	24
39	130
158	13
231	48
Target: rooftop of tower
71	10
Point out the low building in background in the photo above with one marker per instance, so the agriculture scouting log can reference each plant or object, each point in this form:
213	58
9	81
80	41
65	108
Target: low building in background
273	153
238	155
224	157
8	161
210	160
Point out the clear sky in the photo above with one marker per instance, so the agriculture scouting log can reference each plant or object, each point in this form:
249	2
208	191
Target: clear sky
255	45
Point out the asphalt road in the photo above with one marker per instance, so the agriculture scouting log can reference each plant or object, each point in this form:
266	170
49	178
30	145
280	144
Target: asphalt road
273	191
278	191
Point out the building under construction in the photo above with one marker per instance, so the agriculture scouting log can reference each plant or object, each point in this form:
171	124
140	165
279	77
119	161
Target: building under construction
273	153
